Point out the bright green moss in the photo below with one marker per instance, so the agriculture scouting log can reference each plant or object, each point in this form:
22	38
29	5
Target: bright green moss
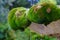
11	19
43	13
17	18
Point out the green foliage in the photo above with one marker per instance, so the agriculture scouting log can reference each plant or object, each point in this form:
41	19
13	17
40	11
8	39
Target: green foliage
20	3
58	2
3	29
4	9
6	33
21	35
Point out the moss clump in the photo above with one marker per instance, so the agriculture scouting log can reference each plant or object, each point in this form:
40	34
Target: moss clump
17	18
43	13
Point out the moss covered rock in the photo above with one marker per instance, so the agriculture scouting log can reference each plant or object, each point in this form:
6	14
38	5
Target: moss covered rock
44	13
17	18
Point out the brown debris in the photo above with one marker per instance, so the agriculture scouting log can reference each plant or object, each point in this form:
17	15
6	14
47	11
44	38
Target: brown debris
48	10
36	7
18	13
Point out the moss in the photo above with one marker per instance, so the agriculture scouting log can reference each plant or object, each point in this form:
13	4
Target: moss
43	13
17	18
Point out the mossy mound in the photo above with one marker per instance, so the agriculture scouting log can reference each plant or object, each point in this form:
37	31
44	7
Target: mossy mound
43	13
17	18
